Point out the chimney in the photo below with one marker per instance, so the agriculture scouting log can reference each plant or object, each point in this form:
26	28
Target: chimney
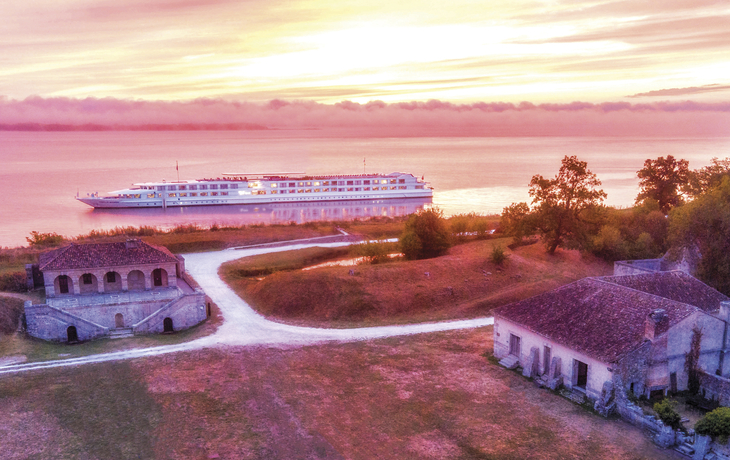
725	311
652	320
131	243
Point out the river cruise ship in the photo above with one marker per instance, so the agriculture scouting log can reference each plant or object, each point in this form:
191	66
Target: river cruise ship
263	188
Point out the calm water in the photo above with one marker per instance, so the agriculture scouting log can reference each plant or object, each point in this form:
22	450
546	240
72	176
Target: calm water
42	172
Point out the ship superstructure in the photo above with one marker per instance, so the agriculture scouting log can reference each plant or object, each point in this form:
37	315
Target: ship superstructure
263	188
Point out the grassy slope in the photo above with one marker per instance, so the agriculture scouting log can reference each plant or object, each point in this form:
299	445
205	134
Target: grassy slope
464	283
419	397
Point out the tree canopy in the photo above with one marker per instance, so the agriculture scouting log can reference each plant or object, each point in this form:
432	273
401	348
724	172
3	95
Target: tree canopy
702	227
426	235
560	205
663	180
703	179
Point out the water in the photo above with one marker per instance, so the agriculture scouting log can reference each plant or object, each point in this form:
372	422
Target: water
42	172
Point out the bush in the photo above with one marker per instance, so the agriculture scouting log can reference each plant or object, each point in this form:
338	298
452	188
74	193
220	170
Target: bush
44	239
426	235
498	255
13	282
374	252
666	412
715	424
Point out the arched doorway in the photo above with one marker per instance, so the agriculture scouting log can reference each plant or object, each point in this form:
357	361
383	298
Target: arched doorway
112	282
63	284
118	320
88	284
167	325
159	277
135	280
71	334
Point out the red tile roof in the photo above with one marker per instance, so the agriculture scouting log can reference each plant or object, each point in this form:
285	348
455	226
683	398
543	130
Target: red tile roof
603	318
76	256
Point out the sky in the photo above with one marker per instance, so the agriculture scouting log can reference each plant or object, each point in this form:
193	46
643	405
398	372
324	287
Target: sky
96	56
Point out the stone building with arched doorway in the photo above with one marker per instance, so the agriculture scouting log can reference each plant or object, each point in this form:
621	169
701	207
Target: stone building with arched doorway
112	289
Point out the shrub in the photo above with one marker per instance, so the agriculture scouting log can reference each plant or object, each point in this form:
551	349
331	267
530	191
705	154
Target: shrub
715	424
13	282
44	239
374	252
666	412
498	255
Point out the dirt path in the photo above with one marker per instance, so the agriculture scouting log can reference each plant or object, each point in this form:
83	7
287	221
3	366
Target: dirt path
243	326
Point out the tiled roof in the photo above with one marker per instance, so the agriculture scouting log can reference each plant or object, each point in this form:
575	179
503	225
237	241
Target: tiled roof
99	255
601	319
674	285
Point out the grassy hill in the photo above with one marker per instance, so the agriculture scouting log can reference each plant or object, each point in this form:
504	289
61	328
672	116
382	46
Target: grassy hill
463	283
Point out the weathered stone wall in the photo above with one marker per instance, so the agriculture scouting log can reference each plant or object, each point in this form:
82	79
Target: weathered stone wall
715	388
46	322
185	312
636	267
76	285
598	372
105	315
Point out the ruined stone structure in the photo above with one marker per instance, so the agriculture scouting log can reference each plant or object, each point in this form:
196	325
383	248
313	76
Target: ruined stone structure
610	337
95	290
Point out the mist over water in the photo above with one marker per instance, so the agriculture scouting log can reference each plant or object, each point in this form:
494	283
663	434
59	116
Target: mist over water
42	172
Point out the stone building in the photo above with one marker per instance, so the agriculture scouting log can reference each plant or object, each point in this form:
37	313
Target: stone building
95	290
629	333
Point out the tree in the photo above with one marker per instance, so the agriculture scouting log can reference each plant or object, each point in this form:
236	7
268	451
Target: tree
715	424
701	228
668	414
662	180
426	235
44	239
560	205
703	179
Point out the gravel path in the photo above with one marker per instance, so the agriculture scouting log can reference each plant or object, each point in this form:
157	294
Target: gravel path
243	326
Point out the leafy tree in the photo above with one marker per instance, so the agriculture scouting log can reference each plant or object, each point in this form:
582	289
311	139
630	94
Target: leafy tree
667	414
515	221
663	180
561	205
703	179
715	424
426	235
636	233
702	226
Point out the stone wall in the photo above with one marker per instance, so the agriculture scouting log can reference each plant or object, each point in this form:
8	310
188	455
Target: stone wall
185	312
715	388
46	322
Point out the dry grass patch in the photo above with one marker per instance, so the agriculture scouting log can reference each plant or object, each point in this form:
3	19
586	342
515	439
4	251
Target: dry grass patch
429	396
462	284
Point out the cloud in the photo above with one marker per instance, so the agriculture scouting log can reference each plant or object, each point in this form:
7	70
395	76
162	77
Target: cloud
376	118
683	91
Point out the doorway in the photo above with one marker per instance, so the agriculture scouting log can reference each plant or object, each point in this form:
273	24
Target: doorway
118	320
582	374
167	325
514	345
72	335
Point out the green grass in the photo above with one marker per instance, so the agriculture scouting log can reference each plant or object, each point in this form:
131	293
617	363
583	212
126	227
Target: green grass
266	264
19	344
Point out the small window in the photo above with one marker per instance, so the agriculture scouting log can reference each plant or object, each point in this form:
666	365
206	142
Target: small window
182	187
193	187
224	186
213	193
214	186
292	184
366	182
87	278
171	187
194	194
183	194
172	195
349	182
273	185
203	193
203	187
401	181
234	186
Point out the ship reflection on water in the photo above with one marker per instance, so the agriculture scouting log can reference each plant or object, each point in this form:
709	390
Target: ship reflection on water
269	213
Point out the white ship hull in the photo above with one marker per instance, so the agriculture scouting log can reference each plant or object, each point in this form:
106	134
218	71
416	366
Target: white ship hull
266	189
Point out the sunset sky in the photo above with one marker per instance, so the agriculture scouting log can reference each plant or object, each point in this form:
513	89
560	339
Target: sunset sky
459	51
